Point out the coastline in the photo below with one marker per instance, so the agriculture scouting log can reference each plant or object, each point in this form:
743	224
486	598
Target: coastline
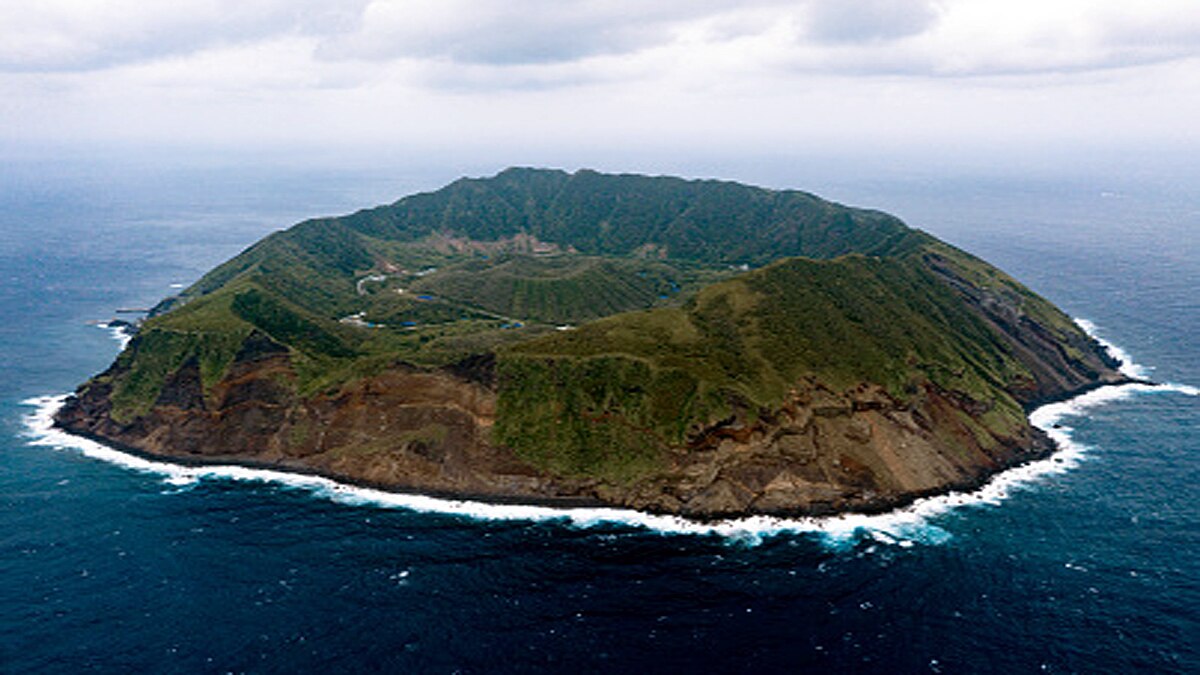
901	521
902	524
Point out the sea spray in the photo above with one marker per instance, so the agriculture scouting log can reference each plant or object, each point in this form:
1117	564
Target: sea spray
1128	368
901	527
120	332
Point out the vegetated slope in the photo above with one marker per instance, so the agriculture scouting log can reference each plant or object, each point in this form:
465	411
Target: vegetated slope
420	345
587	212
603	214
653	380
565	289
612	243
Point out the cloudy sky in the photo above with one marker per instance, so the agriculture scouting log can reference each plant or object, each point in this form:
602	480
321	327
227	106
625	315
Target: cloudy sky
562	75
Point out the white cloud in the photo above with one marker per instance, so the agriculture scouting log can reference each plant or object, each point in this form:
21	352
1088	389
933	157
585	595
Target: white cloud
867	20
983	37
521	32
60	35
922	37
695	72
536	44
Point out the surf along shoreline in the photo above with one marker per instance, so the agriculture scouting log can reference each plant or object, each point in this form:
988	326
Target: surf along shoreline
1040	451
1043	450
1059	454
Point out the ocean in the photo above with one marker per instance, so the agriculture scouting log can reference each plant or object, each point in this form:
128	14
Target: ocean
1086	562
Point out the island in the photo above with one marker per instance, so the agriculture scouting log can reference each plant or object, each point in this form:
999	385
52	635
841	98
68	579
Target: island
693	347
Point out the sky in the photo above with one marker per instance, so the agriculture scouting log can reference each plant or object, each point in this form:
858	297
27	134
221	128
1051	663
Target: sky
555	80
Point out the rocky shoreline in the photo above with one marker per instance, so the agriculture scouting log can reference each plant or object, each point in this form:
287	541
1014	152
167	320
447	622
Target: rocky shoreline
1045	449
821	454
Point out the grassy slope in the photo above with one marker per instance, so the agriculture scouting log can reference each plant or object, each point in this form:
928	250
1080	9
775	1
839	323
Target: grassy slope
607	398
637	383
472	308
566	288
603	214
294	284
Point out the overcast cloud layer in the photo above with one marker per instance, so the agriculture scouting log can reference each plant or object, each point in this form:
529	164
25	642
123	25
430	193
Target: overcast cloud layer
611	71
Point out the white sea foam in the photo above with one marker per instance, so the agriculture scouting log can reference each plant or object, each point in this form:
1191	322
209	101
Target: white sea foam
1128	367
119	333
901	527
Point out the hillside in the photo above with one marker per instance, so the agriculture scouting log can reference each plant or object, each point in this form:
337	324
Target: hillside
700	347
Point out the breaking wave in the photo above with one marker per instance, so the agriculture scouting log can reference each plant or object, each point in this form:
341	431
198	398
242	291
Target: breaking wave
904	527
1128	368
119	332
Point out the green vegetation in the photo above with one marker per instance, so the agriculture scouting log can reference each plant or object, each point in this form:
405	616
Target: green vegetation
287	325
606	416
156	353
985	280
740	346
565	289
671	329
602	214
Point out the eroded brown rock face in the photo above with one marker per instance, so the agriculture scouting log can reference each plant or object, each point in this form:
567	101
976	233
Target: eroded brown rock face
824	452
429	431
1056	372
405	429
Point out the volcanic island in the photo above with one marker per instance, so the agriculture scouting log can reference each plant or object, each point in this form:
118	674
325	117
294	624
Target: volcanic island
693	347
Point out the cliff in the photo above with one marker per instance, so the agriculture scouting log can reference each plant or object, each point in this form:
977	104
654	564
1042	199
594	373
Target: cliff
691	347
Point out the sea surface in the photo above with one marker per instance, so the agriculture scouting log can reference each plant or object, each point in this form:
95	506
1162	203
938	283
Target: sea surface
1089	562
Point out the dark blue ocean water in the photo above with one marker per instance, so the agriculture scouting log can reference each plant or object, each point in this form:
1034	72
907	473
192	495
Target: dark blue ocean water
108	569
